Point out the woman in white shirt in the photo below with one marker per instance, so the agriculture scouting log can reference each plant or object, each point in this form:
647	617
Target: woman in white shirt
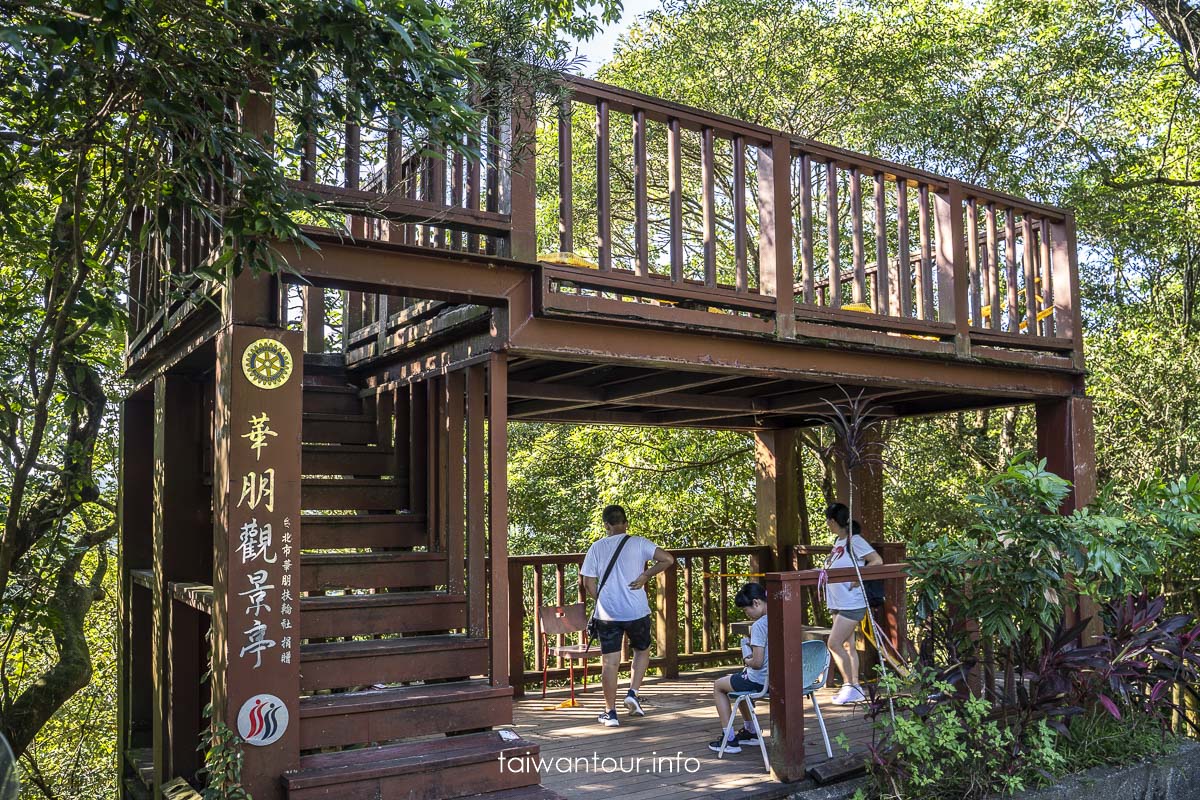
846	601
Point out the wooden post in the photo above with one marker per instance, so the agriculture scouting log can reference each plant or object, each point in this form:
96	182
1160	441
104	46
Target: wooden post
777	491
1066	439
1065	269
498	513
785	670
523	179
666	622
775	271
256	529
516	628
952	268
135	504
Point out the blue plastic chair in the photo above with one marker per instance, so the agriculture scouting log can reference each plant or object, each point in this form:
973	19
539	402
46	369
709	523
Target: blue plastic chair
815	658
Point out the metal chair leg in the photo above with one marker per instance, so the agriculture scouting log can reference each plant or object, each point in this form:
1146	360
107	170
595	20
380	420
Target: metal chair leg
821	724
729	725
571	661
545	666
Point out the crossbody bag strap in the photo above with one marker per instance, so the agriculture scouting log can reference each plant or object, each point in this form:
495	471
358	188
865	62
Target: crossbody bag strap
608	571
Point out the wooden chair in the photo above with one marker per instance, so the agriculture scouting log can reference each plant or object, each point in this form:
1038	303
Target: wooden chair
570	619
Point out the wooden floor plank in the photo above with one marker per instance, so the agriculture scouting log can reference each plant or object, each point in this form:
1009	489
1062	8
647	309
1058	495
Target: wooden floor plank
680	721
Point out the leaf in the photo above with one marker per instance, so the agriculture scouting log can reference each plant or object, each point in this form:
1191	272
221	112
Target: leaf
1109	705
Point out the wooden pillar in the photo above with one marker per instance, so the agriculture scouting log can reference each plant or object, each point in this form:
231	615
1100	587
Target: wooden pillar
135	552
256	528
777	491
1067	440
785	673
497	480
476	501
181	552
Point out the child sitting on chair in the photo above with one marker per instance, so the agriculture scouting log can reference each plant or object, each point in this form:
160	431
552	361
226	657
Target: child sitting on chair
752	599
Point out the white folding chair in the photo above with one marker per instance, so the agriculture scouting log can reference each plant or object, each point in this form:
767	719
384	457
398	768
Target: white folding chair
815	659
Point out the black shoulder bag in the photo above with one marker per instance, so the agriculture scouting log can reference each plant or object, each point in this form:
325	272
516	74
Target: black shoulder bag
593	631
875	591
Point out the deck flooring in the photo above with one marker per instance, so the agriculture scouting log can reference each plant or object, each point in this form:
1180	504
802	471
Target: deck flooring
680	719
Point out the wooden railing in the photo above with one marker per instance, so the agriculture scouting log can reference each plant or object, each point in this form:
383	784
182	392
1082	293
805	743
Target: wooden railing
687	217
754	223
692	605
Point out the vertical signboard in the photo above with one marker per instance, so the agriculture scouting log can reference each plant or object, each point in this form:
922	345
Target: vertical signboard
256	511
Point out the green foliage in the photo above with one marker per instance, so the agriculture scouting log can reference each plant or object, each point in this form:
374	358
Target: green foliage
1098	738
684	488
954	749
223	759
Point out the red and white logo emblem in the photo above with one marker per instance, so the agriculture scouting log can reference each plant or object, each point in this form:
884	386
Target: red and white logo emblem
262	720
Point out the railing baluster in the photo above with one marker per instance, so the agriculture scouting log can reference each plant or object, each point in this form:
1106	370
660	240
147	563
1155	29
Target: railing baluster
1031	309
859	292
903	256
560	599
723	615
884	302
538	655
925	270
1047	275
492	199
993	254
603	197
641	223
474	175
973	261
675	188
806	227
456	195
1010	263
566	174
705	607
708	197
831	205
741	282
688	609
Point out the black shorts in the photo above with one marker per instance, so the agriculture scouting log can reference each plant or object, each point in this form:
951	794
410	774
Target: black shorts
741	683
612	631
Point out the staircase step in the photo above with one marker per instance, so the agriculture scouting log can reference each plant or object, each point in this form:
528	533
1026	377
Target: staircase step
334	665
432	769
357	494
332	399
333	531
378	570
394	612
335	720
339	428
347	459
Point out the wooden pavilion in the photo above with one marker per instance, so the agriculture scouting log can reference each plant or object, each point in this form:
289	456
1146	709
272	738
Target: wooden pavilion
330	499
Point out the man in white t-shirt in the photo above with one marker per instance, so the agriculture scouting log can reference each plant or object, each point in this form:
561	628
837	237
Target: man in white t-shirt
621	608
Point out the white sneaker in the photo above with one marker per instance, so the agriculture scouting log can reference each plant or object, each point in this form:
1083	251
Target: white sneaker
848	695
609	719
635	708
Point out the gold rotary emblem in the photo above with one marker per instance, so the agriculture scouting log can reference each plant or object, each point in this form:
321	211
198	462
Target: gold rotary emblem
267	364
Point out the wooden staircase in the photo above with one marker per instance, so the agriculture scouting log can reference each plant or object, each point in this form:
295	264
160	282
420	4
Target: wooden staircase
396	701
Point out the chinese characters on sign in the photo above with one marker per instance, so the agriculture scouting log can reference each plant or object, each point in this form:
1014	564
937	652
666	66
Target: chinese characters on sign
268	581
